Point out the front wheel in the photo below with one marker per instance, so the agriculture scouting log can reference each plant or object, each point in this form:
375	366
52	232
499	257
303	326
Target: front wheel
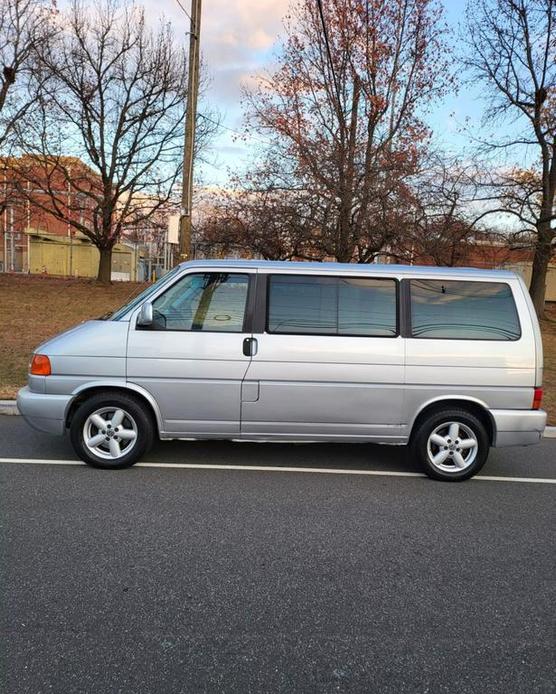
111	430
451	445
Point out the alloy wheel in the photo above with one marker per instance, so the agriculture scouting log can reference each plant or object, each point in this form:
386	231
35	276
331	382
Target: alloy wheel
110	433
452	447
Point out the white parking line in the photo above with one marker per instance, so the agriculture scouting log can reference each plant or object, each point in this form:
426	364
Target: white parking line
268	468
40	461
533	480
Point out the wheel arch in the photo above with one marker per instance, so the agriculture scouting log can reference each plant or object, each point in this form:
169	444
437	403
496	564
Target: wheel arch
86	390
472	405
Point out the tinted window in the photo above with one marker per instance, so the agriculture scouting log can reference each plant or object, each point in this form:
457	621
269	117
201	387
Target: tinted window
366	307
332	306
208	302
302	305
463	310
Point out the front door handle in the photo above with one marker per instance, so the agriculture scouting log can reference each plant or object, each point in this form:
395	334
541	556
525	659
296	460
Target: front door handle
250	346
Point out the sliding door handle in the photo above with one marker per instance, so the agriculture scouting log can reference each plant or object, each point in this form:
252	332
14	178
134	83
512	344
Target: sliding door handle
250	346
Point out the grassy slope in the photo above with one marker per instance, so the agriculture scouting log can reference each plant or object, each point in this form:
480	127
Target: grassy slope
548	328
33	309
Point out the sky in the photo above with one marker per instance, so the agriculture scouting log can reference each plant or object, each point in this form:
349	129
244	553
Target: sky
239	39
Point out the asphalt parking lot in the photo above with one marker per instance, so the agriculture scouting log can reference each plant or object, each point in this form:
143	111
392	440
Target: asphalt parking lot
199	579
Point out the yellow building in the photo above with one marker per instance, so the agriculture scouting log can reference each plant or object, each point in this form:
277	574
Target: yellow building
76	256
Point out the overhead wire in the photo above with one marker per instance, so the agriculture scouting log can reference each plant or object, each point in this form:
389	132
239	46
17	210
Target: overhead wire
329	53
186	13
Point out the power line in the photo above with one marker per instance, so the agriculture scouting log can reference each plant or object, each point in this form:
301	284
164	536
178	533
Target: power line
329	53
236	132
186	13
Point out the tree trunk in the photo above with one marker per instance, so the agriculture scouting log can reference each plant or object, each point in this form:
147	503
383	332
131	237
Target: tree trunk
105	265
343	255
543	251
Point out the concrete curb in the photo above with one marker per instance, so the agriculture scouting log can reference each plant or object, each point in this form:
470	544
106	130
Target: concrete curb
10	407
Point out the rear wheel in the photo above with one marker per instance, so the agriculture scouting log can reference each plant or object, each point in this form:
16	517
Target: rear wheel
451	445
111	430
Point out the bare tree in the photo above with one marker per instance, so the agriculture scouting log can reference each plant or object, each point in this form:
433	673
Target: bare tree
24	24
512	50
111	94
446	220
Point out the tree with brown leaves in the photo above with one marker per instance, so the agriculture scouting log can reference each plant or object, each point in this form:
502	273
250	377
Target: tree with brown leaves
341	113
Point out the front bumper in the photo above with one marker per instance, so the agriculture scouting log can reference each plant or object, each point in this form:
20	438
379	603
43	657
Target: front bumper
518	427
43	412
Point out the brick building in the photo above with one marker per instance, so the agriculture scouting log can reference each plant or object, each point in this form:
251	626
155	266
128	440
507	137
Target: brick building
35	240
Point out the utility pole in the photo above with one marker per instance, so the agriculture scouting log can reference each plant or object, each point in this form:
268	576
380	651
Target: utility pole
189	142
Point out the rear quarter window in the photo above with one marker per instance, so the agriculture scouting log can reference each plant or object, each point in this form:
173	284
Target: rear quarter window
463	310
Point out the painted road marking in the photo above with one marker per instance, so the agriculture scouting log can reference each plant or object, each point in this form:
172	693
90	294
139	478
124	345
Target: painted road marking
267	468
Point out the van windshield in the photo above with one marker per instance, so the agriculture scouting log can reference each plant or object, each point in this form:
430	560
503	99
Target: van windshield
120	313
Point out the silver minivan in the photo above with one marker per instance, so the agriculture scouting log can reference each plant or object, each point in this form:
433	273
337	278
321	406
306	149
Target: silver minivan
448	361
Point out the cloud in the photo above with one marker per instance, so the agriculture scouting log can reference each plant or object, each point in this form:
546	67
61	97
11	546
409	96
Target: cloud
236	38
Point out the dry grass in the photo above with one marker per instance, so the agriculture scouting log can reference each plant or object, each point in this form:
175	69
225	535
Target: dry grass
548	327
32	309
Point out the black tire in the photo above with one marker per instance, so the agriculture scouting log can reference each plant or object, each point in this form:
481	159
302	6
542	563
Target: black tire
419	445
136	412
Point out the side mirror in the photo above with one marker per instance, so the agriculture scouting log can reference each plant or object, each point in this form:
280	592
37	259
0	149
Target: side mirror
145	317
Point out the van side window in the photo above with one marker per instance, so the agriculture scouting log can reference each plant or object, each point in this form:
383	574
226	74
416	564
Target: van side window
209	301
463	310
308	305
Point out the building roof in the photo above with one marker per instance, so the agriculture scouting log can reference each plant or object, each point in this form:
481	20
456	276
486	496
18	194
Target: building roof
356	269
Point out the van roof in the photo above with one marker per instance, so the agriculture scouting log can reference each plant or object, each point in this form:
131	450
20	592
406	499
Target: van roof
357	268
